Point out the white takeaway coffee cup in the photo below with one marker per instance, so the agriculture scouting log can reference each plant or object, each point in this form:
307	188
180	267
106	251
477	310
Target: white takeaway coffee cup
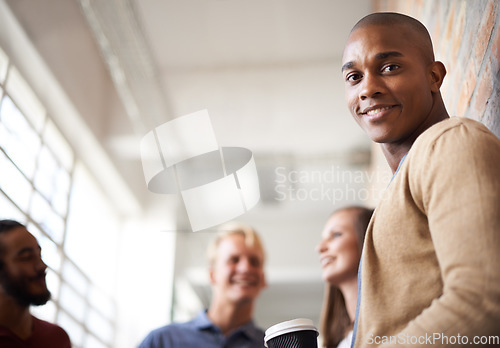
296	333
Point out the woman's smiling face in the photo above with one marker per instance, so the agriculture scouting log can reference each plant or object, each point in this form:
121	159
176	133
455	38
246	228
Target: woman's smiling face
339	248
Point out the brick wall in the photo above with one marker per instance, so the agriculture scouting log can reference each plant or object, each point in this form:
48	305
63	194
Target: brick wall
466	38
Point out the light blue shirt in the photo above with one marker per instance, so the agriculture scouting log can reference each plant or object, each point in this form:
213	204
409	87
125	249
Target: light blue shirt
202	333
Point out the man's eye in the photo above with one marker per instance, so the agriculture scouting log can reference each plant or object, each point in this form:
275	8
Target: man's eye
255	261
26	256
352	77
390	67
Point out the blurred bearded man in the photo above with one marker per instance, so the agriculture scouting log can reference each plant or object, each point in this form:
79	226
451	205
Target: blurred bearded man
22	283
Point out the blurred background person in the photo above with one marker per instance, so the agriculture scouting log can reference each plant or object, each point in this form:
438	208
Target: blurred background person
340	252
22	283
236	269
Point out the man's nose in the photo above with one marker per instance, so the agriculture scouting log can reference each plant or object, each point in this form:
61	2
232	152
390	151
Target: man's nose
371	85
40	265
244	264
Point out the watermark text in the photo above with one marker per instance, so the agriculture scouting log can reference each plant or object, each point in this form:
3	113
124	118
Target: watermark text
434	338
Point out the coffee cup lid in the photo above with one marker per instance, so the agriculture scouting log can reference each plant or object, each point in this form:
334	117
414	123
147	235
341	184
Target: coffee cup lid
289	326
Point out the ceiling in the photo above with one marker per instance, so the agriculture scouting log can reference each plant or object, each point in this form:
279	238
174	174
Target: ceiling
268	72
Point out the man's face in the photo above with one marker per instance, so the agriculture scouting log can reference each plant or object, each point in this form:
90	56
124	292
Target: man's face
387	82
23	274
237	274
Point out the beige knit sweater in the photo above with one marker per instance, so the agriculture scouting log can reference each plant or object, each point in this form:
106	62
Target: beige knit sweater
431	259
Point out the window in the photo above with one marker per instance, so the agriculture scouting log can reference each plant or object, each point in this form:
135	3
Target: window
37	184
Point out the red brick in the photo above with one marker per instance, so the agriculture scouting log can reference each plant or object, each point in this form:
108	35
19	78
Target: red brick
436	32
495	51
468	86
484	32
458	33
484	90
490	117
450	22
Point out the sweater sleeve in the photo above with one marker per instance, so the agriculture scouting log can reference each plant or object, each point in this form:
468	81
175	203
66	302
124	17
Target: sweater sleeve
456	184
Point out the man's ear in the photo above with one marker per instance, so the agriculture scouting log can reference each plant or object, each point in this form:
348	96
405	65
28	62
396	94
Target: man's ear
436	75
264	281
211	275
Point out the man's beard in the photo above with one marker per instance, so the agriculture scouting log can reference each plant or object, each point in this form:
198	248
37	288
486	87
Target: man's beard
17	288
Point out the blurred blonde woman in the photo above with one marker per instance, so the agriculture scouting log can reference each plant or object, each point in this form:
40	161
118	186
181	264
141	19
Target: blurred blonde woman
340	252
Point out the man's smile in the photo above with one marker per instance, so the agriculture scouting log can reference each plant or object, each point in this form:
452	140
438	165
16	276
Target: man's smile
376	112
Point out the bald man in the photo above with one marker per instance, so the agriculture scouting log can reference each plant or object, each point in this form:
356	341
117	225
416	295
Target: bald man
430	266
